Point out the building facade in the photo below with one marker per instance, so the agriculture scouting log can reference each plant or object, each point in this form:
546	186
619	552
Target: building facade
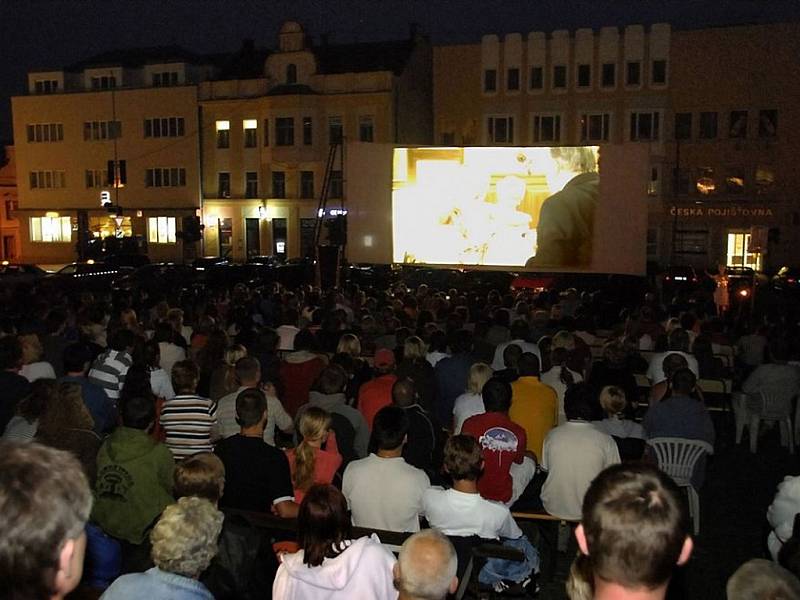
9	224
271	139
713	106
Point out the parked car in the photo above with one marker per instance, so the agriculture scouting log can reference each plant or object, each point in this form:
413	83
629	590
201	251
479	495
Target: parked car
89	275
787	279
156	278
16	274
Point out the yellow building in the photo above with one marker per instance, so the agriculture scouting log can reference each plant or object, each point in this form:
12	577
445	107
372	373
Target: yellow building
715	108
9	224
120	128
267	135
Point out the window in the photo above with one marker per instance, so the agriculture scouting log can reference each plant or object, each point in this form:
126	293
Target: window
683	126
645	126
250	133
104	82
251	184
47	180
161	230
11	207
608	75
335	130
658	72
336	189
223	134
559	77
490	80
291	74
512	79
308	131
165	177
500	130
46	132
546	128
654	185
224	185
734	182
537	78
595	127
706	183
284	131
102	130
46	86
306	184
767	123
584	76
765	179
708	125
266	132
633	73
691	242
165	79
366	129
278	184
51	229
737	127
117	173
96	178
164	127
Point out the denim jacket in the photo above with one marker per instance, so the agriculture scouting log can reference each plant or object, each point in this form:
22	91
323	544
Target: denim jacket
156	583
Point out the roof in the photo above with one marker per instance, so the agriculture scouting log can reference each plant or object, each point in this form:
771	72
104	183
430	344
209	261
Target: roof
137	57
363	57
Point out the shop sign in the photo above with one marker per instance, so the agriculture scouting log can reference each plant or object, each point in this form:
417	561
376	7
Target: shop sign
727	211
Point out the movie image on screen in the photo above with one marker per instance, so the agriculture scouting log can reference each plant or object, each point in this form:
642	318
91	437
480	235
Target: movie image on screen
515	207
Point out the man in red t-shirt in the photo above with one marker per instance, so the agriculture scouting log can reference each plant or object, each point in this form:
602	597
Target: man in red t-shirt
507	470
374	395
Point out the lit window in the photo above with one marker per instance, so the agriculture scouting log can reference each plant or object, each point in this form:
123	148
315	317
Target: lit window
250	133
51	229
161	230
223	134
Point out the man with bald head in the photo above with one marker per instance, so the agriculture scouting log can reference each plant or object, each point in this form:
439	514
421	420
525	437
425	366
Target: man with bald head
422	449
426	567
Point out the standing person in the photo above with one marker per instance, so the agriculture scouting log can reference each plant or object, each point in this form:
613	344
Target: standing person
309	463
15	387
534	405
45	501
188	420
721	293
376	394
330	563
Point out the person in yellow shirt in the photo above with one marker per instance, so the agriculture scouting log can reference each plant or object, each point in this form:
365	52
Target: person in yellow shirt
534	405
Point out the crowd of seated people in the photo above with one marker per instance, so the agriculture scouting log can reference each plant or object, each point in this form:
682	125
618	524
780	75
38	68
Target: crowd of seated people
369	403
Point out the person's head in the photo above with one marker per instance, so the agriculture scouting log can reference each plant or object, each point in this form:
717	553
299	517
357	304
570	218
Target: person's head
404	393
122	340
323	524
672	362
414	349
634	527
614	353
702	346
151	355
31	348
612	400
138	412
578	401
248	371
45	501
678	340
251	408
519	329
426	567
563	339
438	341
384	361
313	426
234	353
66	410
389	428
185	377
201	475
511	356
760	579
683	381
10	353
44	392
496	395
529	365
463	458
305	340
479	374
185	537
331	380
349	344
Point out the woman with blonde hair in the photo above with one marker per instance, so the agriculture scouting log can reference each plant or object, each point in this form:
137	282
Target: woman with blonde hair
471	402
223	379
416	367
33	367
358	370
308	462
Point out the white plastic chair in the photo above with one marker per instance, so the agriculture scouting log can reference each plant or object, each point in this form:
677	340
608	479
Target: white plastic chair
751	409
677	457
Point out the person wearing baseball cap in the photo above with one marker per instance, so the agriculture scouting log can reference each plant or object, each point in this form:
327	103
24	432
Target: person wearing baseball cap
376	394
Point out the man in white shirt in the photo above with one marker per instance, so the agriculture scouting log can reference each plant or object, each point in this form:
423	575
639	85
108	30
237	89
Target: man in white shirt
678	344
574	453
382	490
248	374
519	333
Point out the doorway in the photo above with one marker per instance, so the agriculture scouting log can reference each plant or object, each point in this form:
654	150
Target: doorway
252	231
225	237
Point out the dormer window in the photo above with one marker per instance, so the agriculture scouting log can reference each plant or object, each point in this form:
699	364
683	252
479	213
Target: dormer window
291	74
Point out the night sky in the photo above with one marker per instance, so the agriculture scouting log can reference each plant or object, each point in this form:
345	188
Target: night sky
54	33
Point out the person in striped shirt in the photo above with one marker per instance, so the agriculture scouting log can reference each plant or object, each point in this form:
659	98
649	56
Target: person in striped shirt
189	421
109	369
